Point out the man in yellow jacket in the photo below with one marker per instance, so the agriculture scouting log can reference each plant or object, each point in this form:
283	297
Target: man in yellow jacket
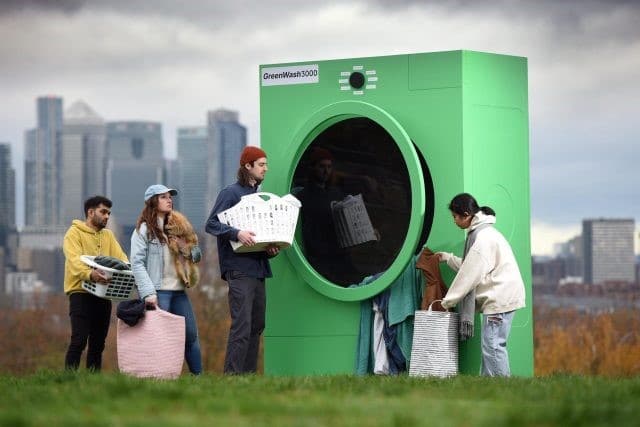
89	314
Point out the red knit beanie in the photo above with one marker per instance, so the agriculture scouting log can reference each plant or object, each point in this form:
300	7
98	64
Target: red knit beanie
250	154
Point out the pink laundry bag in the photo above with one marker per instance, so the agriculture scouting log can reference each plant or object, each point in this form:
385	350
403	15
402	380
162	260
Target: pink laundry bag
154	347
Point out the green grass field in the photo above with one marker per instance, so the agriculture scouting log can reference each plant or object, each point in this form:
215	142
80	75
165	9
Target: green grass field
82	399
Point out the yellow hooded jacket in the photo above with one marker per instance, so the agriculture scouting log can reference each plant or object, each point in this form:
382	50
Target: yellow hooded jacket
81	239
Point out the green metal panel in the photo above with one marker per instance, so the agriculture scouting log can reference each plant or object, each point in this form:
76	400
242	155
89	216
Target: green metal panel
465	113
496	134
324	355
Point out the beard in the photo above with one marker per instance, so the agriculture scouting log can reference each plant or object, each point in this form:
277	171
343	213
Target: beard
98	224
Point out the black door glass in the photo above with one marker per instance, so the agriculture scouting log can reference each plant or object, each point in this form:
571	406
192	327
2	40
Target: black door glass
356	201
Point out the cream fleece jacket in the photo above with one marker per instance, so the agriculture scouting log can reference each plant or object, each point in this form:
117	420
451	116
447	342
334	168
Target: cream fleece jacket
491	268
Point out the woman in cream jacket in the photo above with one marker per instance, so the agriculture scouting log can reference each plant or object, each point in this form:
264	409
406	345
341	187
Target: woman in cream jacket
488	269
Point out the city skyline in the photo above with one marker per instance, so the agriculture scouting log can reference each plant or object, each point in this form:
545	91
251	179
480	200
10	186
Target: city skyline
173	63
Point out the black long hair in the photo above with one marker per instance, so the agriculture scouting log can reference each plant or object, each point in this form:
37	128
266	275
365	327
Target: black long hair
466	204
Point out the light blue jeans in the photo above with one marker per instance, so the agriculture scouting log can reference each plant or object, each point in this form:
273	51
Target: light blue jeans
495	331
177	302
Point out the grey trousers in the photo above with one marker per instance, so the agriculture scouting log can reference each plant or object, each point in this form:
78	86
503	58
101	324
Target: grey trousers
247	304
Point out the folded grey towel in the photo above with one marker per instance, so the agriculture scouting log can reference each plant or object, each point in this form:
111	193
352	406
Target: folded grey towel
131	311
111	262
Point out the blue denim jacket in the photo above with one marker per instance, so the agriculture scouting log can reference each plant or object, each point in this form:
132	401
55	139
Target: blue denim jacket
147	262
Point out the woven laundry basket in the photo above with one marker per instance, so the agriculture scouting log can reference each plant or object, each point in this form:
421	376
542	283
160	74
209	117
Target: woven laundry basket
435	344
154	347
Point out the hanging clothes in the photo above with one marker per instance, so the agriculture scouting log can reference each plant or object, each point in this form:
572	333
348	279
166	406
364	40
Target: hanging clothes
380	356
397	361
434	287
404	295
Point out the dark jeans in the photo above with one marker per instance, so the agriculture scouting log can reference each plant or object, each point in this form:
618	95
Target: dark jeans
90	317
247	302
177	302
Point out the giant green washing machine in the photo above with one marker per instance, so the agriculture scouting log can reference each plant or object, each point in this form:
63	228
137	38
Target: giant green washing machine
406	133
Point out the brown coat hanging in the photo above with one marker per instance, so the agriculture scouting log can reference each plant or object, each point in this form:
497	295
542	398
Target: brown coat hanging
434	288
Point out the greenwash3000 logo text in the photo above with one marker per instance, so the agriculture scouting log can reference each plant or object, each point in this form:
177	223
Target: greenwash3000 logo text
290	75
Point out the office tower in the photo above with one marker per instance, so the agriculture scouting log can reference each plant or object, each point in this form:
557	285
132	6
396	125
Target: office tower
608	250
83	159
23	290
7	194
227	138
192	143
571	252
48	263
134	161
172	180
42	165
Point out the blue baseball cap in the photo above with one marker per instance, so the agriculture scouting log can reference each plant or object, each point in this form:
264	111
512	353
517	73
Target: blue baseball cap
158	189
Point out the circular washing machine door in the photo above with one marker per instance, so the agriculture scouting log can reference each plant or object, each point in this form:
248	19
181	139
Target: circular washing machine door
362	189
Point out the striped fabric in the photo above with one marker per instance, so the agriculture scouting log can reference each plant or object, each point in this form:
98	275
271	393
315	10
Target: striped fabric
435	344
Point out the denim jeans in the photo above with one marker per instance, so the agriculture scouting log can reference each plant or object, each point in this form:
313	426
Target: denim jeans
247	303
495	331
177	302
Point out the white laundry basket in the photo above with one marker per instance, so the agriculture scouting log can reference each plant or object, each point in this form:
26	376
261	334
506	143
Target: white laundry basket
435	344
351	221
271	217
121	286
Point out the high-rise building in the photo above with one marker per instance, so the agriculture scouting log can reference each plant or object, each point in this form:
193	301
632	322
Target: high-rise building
227	139
134	161
608	250
42	165
24	290
193	196
83	159
172	180
7	194
571	252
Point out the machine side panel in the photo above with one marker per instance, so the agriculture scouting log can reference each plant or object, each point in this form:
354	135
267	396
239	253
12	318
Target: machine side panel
496	150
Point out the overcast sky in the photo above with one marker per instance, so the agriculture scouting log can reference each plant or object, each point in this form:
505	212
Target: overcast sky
172	61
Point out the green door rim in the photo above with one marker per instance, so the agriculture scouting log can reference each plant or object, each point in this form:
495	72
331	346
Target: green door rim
316	124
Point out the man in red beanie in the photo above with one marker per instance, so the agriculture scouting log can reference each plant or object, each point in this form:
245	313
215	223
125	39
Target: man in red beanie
250	154
245	273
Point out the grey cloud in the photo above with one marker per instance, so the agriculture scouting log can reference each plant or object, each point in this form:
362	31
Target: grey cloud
570	20
210	14
66	6
203	54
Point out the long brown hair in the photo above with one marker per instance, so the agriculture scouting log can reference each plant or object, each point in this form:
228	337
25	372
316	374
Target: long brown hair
244	177
149	215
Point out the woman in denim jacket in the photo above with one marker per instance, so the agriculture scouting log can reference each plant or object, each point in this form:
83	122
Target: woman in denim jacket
156	278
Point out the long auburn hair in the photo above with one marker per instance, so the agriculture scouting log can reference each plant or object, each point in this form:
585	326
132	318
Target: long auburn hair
149	215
